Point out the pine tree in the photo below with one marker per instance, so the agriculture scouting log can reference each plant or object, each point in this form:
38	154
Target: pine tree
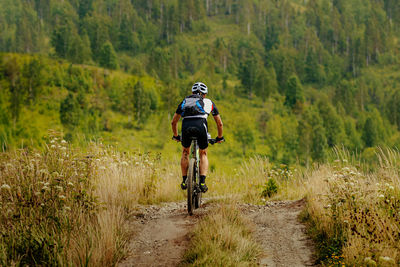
294	93
108	57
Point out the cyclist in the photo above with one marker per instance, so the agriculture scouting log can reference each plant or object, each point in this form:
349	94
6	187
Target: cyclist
194	110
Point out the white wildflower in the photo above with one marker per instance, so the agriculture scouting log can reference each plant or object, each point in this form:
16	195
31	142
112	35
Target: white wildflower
344	160
124	163
63	148
377	184
391	187
62	197
46	184
67	208
70	184
6	187
59	188
52	141
381	196
387	185
42	204
45	188
63	141
52	146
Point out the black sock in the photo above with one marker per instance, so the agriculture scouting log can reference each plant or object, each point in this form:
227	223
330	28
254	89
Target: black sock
184	178
202	179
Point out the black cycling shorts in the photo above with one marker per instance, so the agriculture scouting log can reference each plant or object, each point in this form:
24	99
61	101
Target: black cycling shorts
194	128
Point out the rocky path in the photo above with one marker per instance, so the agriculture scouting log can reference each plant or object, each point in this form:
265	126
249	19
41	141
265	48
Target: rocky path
161	234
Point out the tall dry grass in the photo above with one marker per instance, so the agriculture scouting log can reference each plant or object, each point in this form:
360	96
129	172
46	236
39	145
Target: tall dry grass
355	216
223	238
63	206
250	180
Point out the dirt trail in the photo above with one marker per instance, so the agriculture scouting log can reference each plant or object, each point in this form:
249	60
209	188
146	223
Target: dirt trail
282	237
162	234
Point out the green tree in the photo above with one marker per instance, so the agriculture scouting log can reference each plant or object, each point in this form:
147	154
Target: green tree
144	101
108	57
70	113
79	49
18	92
34	77
312	138
248	74
332	123
319	144
370	133
244	135
294	93
62	36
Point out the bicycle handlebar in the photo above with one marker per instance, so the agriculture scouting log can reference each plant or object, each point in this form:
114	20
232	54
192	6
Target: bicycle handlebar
211	141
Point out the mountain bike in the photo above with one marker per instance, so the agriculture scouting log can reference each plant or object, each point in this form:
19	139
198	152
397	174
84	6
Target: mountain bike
193	184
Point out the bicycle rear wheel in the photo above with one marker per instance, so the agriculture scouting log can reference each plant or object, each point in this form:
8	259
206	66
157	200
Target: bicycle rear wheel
197	197
190	187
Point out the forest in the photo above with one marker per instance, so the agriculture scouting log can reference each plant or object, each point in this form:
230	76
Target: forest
304	76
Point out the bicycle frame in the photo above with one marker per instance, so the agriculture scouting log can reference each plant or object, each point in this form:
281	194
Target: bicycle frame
195	153
193	178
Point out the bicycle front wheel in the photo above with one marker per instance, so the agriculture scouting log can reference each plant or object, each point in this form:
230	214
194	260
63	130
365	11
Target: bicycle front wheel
190	187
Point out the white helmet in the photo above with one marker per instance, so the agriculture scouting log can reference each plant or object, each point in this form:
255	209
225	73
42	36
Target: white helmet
200	87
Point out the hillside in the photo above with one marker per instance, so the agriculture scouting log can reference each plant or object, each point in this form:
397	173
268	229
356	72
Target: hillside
305	75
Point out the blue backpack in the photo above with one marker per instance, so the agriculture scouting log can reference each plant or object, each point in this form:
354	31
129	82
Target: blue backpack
193	106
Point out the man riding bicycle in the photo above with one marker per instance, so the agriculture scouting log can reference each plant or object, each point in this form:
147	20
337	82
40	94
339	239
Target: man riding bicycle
194	110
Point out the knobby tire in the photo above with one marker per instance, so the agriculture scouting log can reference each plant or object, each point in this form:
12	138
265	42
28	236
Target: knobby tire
190	187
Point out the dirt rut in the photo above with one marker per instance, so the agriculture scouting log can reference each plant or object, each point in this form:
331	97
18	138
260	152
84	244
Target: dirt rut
162	234
282	237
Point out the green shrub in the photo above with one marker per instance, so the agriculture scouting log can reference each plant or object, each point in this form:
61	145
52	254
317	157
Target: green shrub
270	188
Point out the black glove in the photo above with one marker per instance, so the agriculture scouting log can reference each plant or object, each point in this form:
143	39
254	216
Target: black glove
222	139
176	138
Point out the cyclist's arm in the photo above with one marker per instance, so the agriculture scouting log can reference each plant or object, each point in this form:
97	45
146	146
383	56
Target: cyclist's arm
218	121
174	123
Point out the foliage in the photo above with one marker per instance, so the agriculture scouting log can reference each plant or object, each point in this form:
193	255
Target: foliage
355	216
223	237
270	189
45	198
258	57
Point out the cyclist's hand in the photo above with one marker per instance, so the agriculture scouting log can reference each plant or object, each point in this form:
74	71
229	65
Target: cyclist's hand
220	140
176	138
